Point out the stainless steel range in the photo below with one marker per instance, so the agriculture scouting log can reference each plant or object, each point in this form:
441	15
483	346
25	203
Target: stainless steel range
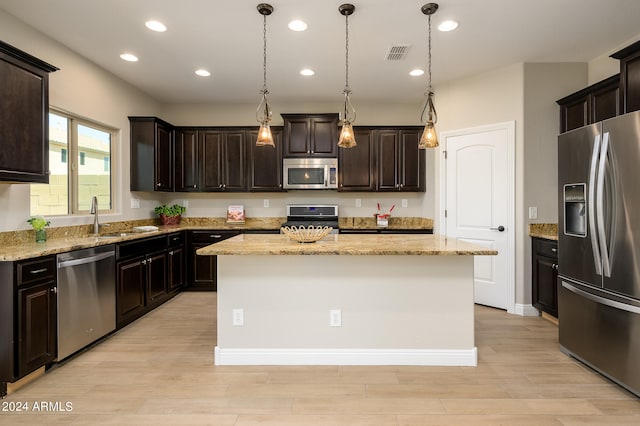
316	215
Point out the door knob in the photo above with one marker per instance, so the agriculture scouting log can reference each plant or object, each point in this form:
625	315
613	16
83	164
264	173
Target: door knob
499	228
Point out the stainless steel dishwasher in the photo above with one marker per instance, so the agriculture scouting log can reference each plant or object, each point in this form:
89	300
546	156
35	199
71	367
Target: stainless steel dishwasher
86	297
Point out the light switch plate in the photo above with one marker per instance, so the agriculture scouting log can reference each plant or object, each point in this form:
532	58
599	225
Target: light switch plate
335	318
358	202
405	202
533	212
135	203
265	203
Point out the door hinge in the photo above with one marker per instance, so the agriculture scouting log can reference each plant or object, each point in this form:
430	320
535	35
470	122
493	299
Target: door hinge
445	154
445	213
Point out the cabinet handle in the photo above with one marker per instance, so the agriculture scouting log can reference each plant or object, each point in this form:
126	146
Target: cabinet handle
158	184
150	260
195	186
171	253
215	236
38	271
54	290
554	250
144	262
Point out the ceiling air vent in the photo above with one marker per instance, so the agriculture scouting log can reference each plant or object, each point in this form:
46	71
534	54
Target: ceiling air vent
397	52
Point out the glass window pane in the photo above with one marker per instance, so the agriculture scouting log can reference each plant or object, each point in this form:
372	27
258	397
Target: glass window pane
94	145
53	198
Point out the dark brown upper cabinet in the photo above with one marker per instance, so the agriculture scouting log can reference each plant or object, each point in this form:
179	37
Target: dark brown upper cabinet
310	135
152	163
24	116
186	160
401	165
223	160
590	105
265	163
357	165
629	77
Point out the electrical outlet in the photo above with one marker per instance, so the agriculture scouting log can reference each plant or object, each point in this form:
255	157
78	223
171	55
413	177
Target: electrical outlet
405	202
238	317
533	212
265	203
135	203
185	203
358	202
335	318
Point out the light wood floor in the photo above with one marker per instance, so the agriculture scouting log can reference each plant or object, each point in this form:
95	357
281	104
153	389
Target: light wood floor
160	371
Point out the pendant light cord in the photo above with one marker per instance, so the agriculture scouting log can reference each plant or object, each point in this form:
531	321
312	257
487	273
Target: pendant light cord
346	50
264	55
429	108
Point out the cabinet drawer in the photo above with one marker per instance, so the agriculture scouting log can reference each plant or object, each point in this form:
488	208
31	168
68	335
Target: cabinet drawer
35	270
211	236
176	239
142	247
547	248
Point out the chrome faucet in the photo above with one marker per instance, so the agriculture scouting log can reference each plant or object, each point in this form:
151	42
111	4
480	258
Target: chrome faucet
94	211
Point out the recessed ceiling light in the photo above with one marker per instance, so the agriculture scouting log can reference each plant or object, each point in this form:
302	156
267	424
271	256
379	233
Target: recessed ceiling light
297	25
129	57
202	72
156	26
307	72
417	72
448	26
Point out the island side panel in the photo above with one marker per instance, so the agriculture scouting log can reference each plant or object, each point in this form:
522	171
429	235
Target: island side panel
388	303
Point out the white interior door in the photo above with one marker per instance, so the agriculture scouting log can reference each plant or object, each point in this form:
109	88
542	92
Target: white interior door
479	204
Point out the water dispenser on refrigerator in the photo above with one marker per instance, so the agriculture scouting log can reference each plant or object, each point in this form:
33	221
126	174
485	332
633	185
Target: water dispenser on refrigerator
575	210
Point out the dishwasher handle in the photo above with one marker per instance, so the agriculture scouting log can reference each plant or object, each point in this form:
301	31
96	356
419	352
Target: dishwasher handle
85	260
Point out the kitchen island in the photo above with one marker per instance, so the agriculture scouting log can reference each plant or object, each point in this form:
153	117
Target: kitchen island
345	300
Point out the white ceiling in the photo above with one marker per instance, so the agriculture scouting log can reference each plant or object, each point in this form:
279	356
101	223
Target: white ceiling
225	36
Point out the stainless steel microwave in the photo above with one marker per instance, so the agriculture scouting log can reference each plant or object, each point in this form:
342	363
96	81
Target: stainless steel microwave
310	173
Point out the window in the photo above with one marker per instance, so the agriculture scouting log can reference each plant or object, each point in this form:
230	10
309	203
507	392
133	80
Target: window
75	142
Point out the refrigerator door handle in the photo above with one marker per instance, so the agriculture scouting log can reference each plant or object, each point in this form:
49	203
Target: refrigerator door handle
602	237
601	300
591	203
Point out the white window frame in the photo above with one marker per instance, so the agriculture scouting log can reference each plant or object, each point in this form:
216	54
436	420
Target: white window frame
74	120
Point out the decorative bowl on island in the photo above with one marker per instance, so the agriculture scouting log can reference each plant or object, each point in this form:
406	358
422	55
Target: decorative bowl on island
309	234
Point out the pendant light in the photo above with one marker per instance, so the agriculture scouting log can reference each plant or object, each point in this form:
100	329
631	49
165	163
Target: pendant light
263	113
347	138
429	138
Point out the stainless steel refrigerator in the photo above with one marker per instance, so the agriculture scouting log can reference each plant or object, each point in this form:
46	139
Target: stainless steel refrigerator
599	247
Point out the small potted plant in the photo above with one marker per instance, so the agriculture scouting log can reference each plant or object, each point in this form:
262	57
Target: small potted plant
170	215
39	223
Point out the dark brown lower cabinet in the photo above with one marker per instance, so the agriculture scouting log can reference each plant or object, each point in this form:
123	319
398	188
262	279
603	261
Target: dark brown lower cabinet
156	279
141	277
202	270
130	290
28	317
37	318
544	280
175	264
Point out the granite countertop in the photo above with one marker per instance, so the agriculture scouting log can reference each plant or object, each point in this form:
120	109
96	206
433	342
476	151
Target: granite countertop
548	231
346	244
19	245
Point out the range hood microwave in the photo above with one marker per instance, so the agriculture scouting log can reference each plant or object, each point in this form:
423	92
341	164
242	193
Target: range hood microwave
310	173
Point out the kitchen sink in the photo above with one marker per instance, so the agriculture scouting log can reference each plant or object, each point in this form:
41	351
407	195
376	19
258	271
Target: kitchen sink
115	235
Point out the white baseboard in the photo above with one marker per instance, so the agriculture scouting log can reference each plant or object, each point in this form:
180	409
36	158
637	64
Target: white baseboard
526	310
424	357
